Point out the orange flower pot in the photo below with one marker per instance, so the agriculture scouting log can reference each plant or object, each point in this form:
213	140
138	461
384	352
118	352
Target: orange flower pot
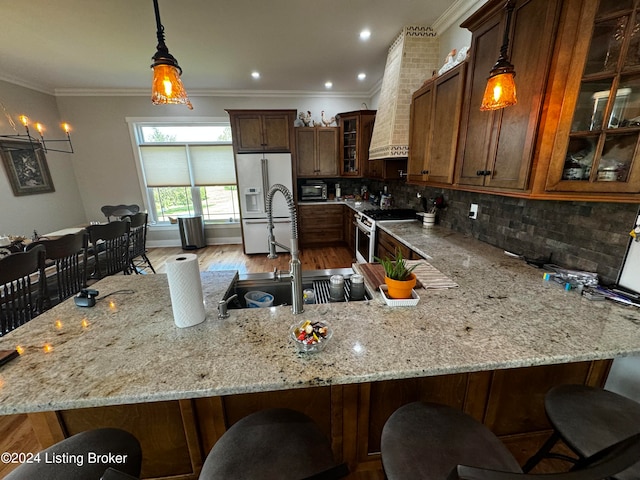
400	288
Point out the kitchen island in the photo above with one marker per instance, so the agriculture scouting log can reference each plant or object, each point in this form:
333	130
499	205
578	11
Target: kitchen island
84	367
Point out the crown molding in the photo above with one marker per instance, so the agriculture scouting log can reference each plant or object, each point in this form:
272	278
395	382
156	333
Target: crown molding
143	92
455	12
26	84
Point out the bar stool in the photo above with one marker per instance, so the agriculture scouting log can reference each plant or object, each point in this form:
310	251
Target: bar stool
273	444
110	447
588	419
427	441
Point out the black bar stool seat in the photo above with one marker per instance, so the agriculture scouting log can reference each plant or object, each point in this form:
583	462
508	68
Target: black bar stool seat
587	419
426	441
274	444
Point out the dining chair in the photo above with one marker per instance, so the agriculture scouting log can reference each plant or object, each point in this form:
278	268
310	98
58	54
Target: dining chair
138	260
85	456
68	255
273	444
110	247
587	419
428	441
119	211
22	288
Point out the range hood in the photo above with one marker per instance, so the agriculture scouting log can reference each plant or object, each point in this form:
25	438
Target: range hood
412	59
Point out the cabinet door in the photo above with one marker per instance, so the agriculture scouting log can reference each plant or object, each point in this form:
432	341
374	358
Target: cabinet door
476	127
327	151
306	151
596	146
497	148
276	132
248	133
419	135
447	106
349	129
517	125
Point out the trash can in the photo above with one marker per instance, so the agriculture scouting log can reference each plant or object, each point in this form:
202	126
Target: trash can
192	232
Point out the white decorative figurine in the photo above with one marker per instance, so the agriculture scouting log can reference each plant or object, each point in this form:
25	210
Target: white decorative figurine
326	122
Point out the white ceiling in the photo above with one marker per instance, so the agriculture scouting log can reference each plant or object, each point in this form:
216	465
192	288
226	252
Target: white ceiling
74	46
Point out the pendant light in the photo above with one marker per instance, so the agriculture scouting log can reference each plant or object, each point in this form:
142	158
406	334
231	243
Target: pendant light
501	87
167	87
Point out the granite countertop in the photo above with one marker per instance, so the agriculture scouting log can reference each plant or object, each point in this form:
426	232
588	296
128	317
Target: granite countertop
502	315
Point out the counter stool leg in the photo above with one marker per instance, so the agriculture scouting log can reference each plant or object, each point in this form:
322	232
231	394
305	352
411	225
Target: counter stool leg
545	452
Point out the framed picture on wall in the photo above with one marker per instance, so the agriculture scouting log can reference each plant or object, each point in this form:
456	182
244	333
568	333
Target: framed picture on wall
26	167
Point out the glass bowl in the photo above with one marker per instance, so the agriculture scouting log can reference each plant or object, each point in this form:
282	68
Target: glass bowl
310	344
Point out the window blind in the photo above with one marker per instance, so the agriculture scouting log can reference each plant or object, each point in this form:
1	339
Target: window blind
187	165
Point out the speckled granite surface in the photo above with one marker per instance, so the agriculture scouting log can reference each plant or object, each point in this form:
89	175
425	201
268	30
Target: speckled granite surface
502	315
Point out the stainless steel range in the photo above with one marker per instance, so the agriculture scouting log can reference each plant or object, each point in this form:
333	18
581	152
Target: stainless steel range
365	225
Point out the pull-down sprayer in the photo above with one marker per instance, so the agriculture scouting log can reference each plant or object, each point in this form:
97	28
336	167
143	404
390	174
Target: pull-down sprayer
295	267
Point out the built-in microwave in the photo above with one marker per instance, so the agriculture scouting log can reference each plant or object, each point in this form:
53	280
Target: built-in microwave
313	190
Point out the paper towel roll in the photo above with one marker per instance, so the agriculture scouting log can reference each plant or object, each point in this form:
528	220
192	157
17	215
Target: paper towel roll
185	287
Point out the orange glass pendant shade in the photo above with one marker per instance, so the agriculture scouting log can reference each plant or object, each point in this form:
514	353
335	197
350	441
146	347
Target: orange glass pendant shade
500	92
167	88
501	87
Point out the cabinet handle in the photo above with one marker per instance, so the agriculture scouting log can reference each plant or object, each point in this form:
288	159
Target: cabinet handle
483	173
425	172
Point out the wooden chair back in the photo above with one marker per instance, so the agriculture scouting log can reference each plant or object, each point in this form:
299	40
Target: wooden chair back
119	211
69	256
110	246
138	242
21	288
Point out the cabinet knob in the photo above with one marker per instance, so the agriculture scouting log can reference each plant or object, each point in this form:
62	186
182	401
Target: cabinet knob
425	172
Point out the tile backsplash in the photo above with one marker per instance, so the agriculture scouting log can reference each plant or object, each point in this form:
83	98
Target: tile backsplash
591	236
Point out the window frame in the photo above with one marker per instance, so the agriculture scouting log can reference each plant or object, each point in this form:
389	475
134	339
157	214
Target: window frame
135	129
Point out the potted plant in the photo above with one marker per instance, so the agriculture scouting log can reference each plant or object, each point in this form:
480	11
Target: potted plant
399	277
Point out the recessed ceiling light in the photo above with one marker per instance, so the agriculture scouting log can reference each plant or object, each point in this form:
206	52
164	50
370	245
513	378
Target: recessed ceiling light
255	75
328	84
365	34
362	76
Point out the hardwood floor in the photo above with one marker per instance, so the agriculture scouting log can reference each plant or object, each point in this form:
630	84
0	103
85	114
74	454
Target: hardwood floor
231	257
17	435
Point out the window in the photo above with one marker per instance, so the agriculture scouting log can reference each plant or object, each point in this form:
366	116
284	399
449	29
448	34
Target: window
188	170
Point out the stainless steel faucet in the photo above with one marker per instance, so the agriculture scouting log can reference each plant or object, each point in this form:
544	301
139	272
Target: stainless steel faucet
295	267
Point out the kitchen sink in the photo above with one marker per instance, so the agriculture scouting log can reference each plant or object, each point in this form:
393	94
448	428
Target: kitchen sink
317	280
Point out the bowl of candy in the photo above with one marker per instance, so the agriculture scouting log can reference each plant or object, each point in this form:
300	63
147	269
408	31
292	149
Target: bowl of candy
311	336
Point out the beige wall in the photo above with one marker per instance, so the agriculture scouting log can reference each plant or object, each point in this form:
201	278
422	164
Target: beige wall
48	211
102	170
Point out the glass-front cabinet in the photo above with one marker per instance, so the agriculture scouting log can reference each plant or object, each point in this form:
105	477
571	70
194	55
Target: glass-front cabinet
356	129
601	150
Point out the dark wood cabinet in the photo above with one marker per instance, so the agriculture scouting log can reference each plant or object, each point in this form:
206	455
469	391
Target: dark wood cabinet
497	147
348	228
356	129
320	224
257	131
435	124
317	151
387	245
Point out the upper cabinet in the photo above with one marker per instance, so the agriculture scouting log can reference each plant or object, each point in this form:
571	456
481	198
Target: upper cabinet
435	122
356	129
317	151
496	148
595	148
262	130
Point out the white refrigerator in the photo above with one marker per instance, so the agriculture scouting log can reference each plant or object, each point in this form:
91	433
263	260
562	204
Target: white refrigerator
256	173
